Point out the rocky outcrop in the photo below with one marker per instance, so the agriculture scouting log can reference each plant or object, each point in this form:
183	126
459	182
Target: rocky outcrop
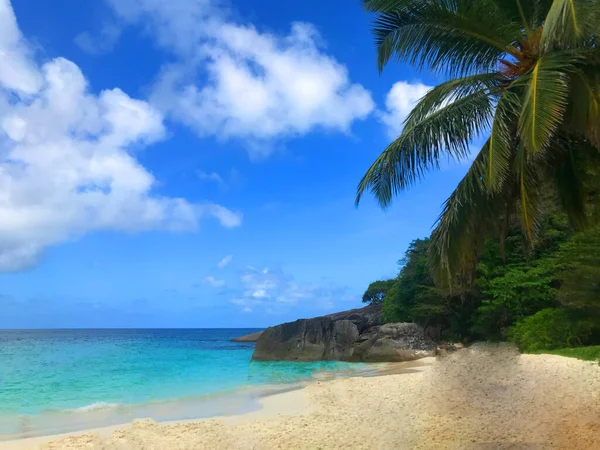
363	318
355	335
393	342
252	337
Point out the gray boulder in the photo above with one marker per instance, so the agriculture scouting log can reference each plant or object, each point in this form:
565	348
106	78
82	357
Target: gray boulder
393	342
355	335
363	318
307	340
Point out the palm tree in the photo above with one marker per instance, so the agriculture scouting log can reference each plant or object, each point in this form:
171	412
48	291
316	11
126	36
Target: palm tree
523	73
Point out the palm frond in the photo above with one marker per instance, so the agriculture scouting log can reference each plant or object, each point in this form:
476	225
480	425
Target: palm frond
454	36
572	157
544	104
569	22
503	139
452	90
583	111
470	215
571	190
419	148
532	12
527	178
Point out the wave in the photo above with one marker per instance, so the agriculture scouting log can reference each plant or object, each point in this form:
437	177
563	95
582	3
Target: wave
97	406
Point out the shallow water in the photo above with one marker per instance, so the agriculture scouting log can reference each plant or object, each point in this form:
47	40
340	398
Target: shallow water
54	381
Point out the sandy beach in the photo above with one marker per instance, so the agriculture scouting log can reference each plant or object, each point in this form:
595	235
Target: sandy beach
484	397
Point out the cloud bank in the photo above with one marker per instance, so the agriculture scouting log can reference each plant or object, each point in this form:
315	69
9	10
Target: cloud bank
67	165
235	81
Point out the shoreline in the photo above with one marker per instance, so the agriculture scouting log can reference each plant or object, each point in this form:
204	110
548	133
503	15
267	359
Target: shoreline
250	401
289	402
481	397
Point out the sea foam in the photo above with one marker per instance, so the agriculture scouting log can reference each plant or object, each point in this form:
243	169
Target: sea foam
97	406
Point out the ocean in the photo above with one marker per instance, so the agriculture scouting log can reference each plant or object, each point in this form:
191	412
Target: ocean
55	381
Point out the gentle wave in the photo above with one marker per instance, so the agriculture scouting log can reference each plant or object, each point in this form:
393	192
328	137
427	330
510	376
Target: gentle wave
98	406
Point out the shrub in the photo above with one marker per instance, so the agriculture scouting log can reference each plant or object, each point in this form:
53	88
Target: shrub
511	293
551	328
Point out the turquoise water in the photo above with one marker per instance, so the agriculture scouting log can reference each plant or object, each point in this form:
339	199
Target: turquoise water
63	380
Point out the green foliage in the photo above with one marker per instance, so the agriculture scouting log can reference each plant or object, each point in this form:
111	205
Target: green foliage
524	74
415	297
514	252
411	286
590	353
578	272
511	293
551	328
513	284
376	291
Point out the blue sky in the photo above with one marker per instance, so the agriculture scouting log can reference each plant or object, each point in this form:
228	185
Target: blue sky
193	163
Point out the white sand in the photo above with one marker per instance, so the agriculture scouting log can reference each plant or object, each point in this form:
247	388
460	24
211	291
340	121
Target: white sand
479	398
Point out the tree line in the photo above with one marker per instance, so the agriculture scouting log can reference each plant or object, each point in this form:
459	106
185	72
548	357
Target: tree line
545	297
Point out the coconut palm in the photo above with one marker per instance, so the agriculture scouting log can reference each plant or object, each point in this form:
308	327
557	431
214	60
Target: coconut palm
525	74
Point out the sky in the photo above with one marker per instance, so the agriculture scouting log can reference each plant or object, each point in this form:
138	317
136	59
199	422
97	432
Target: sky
193	163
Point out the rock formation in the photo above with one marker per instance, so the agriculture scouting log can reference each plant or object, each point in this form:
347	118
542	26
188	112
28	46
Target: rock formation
355	335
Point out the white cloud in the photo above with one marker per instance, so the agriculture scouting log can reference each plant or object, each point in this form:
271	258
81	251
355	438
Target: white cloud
275	290
104	42
66	161
227	217
225	261
214	282
230	180
17	71
399	102
211	176
234	81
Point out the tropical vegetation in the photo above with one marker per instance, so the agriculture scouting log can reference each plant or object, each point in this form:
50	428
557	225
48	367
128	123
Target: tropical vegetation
515	253
591	353
547	298
524	75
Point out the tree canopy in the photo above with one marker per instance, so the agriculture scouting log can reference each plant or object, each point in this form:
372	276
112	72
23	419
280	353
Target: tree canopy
376	291
523	75
541	299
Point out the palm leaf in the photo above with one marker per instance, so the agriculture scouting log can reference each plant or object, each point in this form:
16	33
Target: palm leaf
452	90
527	178
457	37
544	104
469	216
569	22
571	190
419	148
531	12
503	139
584	107
572	158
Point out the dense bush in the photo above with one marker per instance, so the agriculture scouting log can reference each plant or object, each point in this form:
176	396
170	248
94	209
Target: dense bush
551	328
577	269
508	295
